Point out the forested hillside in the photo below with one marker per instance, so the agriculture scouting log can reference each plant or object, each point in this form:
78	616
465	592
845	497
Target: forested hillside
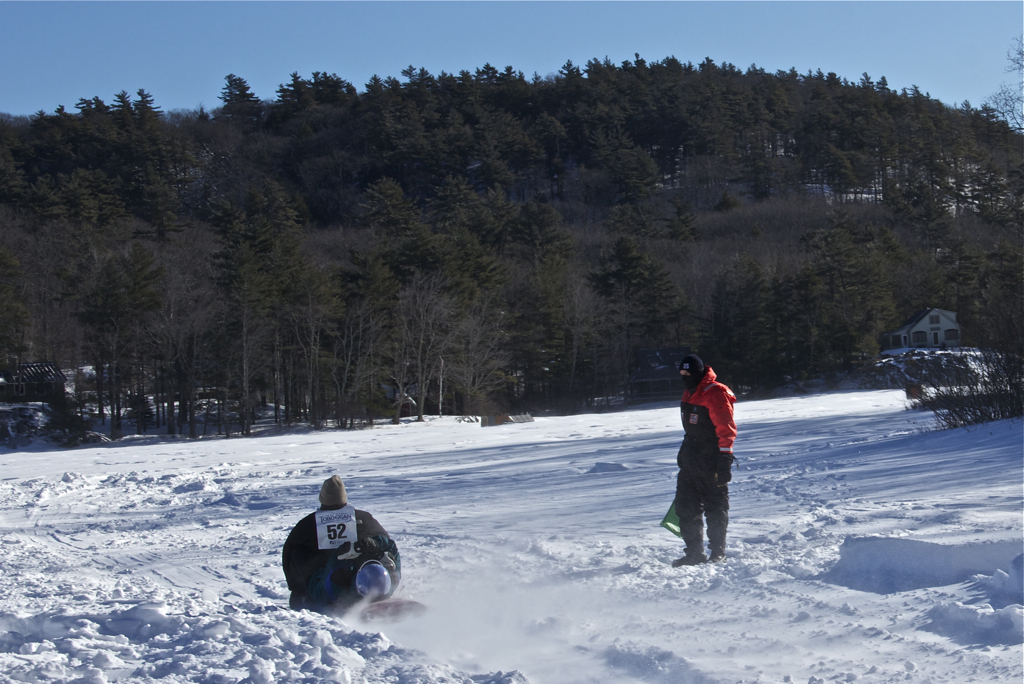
518	237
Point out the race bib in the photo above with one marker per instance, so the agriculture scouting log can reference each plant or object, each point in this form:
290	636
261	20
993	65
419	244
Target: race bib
336	528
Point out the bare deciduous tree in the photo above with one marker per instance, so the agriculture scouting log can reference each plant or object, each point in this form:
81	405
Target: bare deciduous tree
316	304
479	353
580	315
352	348
184	330
425	330
1008	101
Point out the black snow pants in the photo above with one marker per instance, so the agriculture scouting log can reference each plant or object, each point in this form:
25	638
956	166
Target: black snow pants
697	494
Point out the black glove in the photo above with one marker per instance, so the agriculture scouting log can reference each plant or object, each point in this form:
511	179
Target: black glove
367	545
724	469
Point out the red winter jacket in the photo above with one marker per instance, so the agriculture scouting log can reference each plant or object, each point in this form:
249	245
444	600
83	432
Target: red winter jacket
707	417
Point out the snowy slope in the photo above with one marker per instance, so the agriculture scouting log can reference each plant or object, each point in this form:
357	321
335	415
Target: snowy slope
863	546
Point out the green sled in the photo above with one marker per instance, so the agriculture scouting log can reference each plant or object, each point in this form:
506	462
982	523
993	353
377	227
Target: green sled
671	521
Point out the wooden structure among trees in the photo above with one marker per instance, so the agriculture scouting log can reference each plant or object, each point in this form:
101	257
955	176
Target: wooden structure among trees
657	374
491	421
42	381
929	328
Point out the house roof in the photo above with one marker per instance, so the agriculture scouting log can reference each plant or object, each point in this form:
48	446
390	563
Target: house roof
917	318
34	372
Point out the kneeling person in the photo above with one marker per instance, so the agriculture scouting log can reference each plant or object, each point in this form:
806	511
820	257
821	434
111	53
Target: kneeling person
339	555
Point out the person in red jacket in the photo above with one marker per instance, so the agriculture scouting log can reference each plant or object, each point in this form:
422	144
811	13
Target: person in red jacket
705	462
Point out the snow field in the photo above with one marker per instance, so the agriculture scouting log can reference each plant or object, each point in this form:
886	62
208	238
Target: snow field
864	546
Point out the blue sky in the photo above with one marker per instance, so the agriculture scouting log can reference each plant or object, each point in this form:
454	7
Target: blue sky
54	53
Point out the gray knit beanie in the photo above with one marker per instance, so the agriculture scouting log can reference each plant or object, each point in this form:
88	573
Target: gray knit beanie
333	494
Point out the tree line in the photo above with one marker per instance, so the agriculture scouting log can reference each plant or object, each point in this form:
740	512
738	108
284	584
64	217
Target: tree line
490	242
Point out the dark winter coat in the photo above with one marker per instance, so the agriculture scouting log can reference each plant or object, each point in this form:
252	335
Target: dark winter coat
301	557
333	587
707	415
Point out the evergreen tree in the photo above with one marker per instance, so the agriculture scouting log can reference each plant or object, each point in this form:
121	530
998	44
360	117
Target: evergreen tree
635	220
257	263
115	310
241	106
538	233
388	213
358	344
682	225
12	179
294	98
14	315
858	303
643	304
736	338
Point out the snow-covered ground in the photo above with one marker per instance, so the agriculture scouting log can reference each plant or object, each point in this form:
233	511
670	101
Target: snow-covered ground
864	545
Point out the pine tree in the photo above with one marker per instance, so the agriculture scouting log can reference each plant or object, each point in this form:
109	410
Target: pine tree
682	224
294	98
14	315
12	179
642	302
538	234
735	339
388	213
858	302
115	310
258	263
241	106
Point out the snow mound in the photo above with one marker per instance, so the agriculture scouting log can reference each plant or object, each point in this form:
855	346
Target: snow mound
887	565
653	664
514	677
600	467
256	645
1004	588
977	624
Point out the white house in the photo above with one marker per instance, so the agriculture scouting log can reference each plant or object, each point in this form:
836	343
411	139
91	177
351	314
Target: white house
931	328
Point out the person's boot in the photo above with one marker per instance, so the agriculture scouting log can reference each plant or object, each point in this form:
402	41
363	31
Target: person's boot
695	558
718	523
693	535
